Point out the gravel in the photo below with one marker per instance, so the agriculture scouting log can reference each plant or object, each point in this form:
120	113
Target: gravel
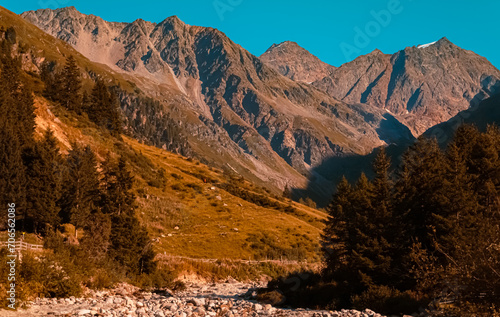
217	300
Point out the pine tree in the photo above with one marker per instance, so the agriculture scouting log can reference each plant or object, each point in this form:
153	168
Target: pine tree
103	108
16	129
114	119
420	193
43	165
71	84
10	67
362	245
81	196
96	238
287	193
25	117
384	225
484	165
53	82
356	239
465	138
85	104
334	236
130	244
21	111
462	203
117	184
13	180
463	260
12	170
435	230
383	196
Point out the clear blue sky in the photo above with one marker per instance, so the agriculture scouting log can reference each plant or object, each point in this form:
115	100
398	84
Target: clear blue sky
330	29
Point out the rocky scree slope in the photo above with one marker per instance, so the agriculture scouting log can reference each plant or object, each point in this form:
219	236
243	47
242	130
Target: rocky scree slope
237	111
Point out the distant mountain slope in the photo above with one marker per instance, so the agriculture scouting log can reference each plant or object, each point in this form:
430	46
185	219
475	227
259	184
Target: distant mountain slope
238	113
425	85
296	63
480	115
327	175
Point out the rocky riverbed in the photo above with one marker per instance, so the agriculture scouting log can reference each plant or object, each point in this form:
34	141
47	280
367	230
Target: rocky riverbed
214	300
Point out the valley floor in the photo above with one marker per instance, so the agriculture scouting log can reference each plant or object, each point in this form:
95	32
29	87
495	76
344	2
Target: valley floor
230	299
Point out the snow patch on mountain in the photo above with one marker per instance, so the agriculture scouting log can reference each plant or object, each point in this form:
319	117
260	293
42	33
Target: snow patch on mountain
426	45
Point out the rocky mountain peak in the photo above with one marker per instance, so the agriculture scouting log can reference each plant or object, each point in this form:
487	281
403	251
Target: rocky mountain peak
89	34
287	45
376	52
173	21
295	62
424	85
442	44
71	10
444	41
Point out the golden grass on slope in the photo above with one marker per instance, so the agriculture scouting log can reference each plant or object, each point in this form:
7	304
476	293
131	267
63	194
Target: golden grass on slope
192	216
189	214
192	270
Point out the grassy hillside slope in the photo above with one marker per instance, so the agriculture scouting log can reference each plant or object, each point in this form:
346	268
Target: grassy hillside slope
194	210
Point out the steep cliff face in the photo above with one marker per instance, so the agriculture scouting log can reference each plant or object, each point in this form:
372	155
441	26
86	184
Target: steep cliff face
237	111
425	85
296	63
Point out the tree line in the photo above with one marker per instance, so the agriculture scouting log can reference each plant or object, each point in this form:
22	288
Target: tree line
51	189
423	235
65	87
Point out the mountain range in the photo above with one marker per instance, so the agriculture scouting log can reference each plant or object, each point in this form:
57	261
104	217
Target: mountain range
275	118
188	208
423	85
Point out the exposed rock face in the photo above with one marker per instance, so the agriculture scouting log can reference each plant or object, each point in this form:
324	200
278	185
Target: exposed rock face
425	85
296	63
238	112
79	31
481	114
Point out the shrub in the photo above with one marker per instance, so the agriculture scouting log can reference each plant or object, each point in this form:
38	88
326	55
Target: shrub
308	202
195	186
47	276
102	279
161	278
176	176
275	298
178	187
386	300
299	289
158	180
